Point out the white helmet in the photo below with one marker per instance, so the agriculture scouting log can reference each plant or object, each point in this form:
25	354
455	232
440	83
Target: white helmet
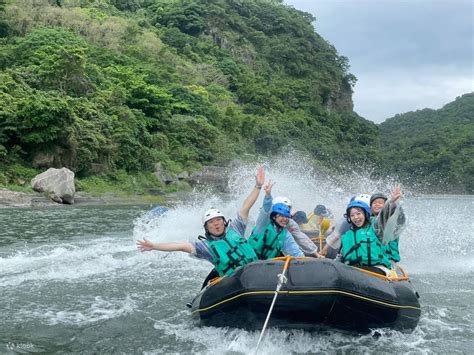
210	214
282	199
362	197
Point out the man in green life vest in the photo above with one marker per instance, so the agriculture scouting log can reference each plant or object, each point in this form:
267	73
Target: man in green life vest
224	244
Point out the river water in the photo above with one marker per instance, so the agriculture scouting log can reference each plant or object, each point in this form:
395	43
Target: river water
72	280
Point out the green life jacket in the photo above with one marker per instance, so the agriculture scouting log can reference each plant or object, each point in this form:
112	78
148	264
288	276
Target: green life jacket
363	247
391	249
230	252
268	243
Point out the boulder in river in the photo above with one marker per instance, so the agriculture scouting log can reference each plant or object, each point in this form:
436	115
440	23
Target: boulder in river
57	183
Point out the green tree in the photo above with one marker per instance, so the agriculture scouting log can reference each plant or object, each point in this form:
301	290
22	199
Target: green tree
432	145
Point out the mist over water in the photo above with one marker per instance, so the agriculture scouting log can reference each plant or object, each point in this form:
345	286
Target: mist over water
72	279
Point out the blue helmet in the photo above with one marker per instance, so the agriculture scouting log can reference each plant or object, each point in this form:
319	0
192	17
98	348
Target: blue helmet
281	208
365	207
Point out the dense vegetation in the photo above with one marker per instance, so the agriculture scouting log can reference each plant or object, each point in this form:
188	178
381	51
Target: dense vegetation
113	87
436	146
101	86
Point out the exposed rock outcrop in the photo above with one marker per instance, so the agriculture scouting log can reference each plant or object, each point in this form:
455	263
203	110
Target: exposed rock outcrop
57	183
341	101
43	160
16	199
214	176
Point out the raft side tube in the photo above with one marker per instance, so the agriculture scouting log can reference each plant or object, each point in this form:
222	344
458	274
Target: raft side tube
320	293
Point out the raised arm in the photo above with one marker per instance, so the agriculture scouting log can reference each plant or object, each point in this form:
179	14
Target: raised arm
146	245
396	194
252	197
390	205
267	202
303	241
290	247
391	221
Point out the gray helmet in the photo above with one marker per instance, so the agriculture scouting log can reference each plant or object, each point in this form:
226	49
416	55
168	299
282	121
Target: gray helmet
376	196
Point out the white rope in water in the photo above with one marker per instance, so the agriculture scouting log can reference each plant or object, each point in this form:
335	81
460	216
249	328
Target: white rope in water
281	280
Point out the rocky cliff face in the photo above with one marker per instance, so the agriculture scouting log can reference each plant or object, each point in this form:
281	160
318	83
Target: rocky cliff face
341	101
280	52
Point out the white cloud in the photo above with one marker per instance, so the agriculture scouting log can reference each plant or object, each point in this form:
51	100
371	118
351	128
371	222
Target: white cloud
382	94
407	55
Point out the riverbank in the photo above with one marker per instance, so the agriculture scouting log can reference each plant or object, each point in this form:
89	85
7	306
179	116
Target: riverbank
16	199
117	188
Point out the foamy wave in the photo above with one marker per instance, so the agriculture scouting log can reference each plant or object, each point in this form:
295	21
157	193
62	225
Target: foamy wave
277	341
62	262
92	311
94	259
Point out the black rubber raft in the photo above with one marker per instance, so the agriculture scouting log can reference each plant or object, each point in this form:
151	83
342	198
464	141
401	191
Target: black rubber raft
318	294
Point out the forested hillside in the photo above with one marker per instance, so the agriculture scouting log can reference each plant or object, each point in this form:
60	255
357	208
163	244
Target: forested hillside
436	146
103	86
110	88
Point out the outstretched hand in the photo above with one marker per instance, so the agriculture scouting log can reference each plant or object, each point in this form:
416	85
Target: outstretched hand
144	245
268	187
260	177
396	193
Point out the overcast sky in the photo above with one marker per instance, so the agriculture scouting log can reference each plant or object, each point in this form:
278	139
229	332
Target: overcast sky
406	54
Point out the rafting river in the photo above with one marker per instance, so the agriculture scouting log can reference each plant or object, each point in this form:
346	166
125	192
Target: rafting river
72	280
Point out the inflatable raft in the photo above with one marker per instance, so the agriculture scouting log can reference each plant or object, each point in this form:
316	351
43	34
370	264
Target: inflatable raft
318	294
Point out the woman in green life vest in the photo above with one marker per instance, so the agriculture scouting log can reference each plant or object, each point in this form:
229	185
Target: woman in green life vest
388	211
360	245
270	238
